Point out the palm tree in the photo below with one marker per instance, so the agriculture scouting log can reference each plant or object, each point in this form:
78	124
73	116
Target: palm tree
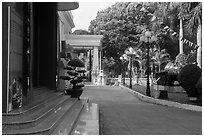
190	11
195	22
167	13
159	57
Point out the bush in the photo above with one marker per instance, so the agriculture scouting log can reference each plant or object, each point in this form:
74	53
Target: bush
188	78
199	90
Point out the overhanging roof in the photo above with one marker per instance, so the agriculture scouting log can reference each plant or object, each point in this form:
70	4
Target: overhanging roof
84	41
66	6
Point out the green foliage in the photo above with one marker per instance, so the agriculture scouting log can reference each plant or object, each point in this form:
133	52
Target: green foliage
193	16
123	24
188	78
120	25
81	32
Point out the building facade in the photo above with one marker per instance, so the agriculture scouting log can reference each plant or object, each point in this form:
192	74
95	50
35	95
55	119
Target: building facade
30	48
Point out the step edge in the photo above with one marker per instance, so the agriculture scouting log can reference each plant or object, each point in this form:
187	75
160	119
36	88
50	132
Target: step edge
96	120
37	118
73	122
46	129
29	109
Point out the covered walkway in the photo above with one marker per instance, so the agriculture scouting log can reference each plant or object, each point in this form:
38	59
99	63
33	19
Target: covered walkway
91	45
121	113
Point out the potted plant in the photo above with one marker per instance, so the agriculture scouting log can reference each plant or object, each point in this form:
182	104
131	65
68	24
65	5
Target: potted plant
76	77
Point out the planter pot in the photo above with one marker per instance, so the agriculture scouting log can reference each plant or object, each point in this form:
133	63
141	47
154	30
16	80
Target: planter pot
76	93
68	91
79	86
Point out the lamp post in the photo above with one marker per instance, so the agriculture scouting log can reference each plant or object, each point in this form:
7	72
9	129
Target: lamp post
147	39
130	52
123	58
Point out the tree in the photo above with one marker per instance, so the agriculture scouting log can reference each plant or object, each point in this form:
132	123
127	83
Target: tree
166	15
195	22
160	57
120	26
187	13
123	24
81	32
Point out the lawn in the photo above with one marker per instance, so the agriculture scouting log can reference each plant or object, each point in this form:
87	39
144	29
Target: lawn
180	97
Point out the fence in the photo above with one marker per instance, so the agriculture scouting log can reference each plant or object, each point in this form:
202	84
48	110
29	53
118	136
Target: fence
135	80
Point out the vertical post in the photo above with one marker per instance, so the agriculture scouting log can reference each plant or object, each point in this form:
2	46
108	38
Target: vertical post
180	37
100	59
123	74
8	69
90	65
199	43
95	65
130	73
148	88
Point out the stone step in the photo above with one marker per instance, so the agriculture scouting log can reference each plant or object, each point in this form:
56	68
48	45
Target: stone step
68	122
41	94
34	103
88	122
34	111
47	124
33	117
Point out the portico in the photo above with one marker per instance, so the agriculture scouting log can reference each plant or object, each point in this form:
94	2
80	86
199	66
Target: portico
92	47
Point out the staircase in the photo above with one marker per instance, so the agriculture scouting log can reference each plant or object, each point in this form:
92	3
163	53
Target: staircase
48	114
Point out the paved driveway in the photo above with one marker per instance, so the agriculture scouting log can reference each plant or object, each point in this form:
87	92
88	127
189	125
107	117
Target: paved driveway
121	113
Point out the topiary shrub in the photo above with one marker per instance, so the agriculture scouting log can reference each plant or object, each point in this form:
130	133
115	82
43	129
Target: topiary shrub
75	77
188	78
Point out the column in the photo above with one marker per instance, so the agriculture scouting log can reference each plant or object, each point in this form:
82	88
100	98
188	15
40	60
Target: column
180	37
95	66
199	42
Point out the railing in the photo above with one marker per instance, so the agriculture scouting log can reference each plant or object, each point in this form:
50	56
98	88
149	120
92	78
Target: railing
117	81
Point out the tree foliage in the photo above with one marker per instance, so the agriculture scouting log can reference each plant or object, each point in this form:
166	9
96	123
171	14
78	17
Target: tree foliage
81	32
120	26
123	23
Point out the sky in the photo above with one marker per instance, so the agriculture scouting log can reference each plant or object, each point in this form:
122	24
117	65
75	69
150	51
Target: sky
86	12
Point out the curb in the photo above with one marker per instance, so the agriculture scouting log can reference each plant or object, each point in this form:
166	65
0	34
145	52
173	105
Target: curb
88	121
163	102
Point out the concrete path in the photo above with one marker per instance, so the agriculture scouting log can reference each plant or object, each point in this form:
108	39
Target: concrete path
121	113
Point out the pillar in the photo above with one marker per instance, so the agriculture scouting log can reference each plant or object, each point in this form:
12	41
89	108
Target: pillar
180	37
95	66
199	43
